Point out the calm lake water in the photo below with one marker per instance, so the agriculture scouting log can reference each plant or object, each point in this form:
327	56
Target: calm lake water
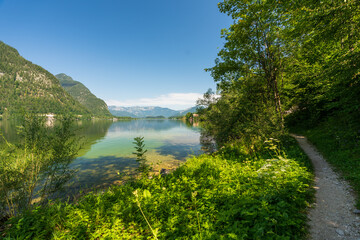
108	146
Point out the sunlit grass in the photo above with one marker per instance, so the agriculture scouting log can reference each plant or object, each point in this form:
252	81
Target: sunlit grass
221	196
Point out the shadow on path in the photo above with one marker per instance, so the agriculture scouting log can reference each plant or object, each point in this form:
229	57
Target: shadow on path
333	216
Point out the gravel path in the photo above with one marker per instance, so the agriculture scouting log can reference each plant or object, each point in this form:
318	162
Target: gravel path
334	215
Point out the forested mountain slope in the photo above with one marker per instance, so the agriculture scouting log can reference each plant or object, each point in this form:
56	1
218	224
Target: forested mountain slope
25	86
82	94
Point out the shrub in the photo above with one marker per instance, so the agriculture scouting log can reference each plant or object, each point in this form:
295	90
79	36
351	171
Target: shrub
37	167
220	196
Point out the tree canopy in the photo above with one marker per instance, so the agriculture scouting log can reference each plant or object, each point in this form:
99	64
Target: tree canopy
284	62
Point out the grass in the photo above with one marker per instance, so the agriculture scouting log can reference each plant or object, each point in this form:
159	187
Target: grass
227	195
340	145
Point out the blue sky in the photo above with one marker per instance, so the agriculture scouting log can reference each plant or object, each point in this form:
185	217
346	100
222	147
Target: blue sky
129	53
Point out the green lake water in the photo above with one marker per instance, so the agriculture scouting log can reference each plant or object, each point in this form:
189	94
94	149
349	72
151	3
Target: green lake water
108	146
169	143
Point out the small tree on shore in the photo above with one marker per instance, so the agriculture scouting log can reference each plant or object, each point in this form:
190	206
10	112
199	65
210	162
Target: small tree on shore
140	151
37	167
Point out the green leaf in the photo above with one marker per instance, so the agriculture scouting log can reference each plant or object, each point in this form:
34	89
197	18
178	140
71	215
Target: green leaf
147	194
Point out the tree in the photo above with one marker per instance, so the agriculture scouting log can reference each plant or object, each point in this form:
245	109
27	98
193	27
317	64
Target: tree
140	151
254	48
248	72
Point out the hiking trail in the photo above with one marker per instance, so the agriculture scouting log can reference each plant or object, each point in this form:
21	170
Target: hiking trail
333	215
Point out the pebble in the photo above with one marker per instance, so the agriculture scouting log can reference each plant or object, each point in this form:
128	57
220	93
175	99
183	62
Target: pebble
340	232
357	211
346	223
164	171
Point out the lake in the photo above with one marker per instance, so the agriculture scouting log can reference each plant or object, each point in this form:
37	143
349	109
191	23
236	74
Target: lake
108	146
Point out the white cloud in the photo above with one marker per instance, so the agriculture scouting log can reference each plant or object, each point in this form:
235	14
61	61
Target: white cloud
176	101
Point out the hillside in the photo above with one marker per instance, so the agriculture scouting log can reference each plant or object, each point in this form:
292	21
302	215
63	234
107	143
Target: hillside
142	112
83	95
25	86
184	112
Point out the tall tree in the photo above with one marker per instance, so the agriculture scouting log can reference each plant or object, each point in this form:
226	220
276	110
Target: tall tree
254	48
249	69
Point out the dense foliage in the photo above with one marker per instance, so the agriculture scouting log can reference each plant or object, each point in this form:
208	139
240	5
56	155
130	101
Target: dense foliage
25	86
289	64
82	94
37	167
325	66
284	63
298	58
230	195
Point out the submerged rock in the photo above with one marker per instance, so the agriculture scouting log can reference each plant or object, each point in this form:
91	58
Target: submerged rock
164	171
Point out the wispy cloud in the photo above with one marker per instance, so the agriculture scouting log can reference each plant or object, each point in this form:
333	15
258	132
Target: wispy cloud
177	101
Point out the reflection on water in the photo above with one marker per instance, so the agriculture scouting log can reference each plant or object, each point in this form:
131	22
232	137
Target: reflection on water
8	129
208	144
107	148
169	143
91	132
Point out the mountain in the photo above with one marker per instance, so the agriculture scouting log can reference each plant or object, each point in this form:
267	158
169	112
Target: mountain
184	112
142	112
25	86
121	112
83	95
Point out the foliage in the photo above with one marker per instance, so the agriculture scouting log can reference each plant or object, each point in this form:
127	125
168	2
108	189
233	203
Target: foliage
140	151
225	196
325	77
146	194
239	115
37	167
299	58
325	66
248	72
294	58
253	52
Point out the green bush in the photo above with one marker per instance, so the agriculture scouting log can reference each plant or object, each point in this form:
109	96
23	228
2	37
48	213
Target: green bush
224	196
38	166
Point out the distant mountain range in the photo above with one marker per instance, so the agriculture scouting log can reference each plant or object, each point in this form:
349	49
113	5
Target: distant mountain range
142	112
83	95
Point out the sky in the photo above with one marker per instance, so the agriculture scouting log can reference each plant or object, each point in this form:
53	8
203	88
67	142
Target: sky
128	53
